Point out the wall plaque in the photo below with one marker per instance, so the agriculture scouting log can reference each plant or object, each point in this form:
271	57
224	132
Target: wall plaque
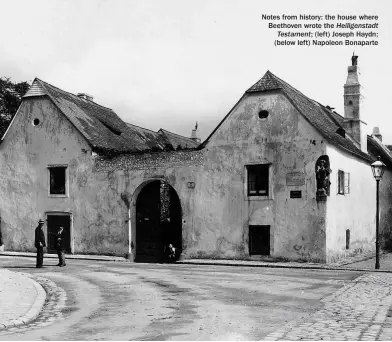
191	185
296	194
295	179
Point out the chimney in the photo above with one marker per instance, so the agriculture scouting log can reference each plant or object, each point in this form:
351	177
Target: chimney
193	135
85	96
353	125
376	133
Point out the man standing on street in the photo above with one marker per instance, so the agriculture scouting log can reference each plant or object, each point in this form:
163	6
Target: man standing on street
59	247
40	243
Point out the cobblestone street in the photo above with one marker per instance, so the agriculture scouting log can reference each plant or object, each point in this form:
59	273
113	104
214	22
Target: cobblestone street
90	300
358	311
51	312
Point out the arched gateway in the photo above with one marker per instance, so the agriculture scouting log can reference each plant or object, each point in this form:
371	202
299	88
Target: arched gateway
158	221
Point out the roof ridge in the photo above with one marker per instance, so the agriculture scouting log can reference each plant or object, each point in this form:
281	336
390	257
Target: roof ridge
179	135
67	92
128	123
285	84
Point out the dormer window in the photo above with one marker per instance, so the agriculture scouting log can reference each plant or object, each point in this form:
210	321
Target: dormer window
341	132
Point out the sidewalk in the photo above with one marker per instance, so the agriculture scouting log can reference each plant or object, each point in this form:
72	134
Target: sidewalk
68	256
361	262
21	299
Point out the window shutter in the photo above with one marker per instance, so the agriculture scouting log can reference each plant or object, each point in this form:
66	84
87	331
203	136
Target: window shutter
337	182
346	183
341	182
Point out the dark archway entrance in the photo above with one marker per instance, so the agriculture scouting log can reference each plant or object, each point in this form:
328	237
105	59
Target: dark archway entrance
158	221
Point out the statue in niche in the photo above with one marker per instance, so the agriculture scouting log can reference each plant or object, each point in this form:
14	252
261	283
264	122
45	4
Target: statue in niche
322	176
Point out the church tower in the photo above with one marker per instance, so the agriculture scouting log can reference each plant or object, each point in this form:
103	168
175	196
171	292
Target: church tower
353	100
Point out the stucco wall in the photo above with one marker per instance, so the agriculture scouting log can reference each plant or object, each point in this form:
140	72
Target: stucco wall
217	212
25	154
290	144
355	211
386	211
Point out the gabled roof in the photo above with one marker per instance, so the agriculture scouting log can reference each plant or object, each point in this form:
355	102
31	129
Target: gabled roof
319	116
179	141
377	148
101	126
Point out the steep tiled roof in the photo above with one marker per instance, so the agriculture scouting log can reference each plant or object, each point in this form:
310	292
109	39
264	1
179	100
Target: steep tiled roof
312	111
267	82
101	126
179	140
327	122
377	148
153	139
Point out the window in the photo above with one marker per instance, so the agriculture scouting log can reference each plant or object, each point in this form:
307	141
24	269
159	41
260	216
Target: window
258	180
57	180
343	182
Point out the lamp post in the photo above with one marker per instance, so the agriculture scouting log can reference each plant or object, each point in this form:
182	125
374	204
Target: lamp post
378	171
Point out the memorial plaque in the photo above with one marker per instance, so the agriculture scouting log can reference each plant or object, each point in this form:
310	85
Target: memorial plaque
191	185
295	179
296	194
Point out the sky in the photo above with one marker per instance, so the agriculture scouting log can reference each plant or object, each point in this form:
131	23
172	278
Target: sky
169	64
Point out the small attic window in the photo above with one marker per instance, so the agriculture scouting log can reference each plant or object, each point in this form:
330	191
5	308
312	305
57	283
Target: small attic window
263	114
341	132
35	122
111	129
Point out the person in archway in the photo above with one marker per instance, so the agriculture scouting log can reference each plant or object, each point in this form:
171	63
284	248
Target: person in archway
40	243
60	246
172	253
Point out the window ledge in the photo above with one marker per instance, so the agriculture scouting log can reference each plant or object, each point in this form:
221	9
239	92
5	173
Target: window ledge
61	196
258	198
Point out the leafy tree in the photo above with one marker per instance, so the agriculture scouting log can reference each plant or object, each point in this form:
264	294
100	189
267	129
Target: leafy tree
10	99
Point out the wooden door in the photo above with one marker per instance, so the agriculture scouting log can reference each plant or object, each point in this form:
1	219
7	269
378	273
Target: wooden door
259	240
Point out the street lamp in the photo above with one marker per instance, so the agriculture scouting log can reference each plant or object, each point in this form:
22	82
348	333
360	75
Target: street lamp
378	171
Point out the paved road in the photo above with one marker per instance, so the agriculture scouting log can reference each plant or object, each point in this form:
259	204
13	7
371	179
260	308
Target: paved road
90	300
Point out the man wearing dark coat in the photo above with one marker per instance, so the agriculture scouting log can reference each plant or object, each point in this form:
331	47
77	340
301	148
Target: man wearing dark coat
60	247
40	243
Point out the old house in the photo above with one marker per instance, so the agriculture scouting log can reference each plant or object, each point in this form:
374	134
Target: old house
281	175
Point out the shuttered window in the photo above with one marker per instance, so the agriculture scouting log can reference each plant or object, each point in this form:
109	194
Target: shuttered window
343	182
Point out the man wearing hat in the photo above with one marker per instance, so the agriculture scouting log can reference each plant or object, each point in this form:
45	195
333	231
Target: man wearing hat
60	246
40	243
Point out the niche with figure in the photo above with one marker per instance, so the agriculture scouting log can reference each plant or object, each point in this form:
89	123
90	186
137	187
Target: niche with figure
322	177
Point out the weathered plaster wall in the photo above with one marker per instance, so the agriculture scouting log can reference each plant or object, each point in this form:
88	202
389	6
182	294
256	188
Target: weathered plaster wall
224	211
386	211
25	154
218	212
355	211
127	175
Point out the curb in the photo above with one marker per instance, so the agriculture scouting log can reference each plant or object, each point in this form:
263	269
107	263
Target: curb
34	310
209	262
68	256
277	265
